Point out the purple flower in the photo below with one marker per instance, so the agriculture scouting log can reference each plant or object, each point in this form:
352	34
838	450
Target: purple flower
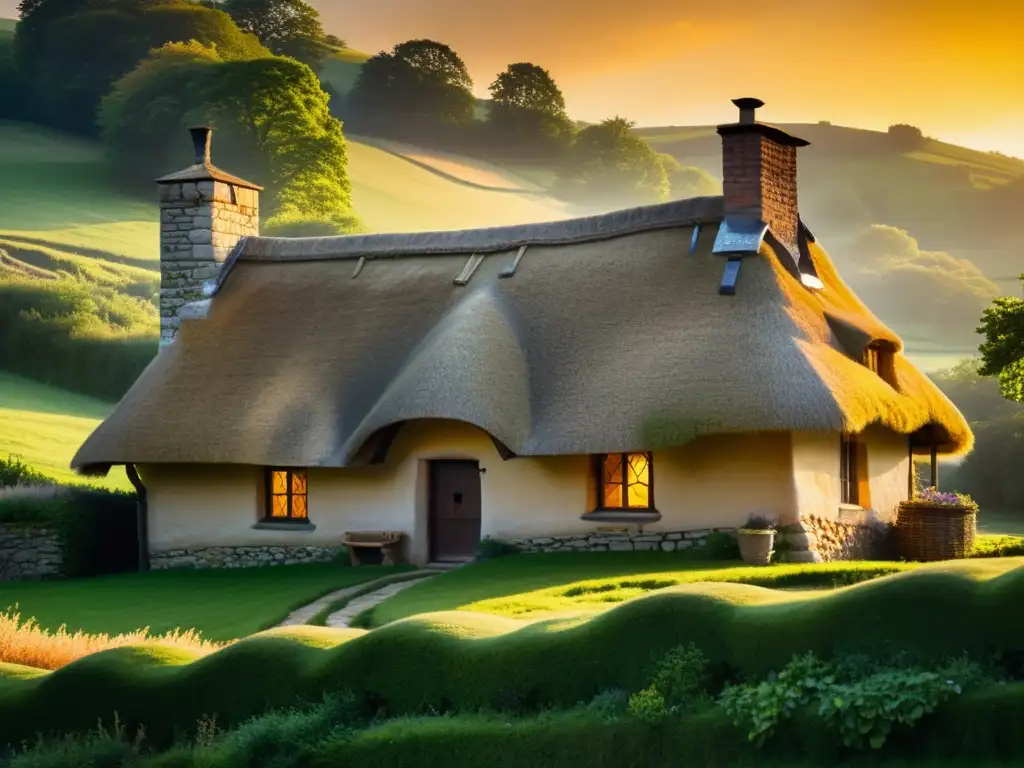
943	499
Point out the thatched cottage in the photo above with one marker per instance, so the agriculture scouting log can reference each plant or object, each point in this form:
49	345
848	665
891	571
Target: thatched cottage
637	377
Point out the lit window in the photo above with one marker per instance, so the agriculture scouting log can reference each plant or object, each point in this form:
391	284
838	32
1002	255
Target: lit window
625	481
286	495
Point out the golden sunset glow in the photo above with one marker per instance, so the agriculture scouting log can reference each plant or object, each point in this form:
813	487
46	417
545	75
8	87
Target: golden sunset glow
954	69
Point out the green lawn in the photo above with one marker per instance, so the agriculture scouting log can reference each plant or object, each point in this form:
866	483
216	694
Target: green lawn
1001	522
545	585
221	604
44	426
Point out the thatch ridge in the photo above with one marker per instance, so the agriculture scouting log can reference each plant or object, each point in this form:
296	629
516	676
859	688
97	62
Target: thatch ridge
606	344
678	213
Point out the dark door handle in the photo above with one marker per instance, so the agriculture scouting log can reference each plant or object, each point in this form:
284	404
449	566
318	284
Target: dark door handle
458	497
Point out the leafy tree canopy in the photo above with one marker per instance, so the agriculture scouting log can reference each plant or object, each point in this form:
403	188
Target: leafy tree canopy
527	86
1002	352
418	85
608	164
271	119
285	27
72	51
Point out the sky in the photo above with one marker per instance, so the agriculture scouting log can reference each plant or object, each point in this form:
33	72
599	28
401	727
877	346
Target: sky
951	67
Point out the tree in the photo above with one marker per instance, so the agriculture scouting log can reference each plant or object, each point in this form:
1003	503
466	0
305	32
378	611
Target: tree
527	113
271	117
687	181
72	51
285	27
1002	352
419	86
608	164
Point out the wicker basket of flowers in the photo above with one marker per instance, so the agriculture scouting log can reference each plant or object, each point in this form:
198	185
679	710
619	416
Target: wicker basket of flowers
936	526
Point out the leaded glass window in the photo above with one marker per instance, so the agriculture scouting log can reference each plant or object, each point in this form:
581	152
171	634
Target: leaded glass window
287	495
625	481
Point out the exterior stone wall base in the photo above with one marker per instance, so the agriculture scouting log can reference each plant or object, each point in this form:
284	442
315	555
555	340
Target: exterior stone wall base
29	552
239	557
817	539
628	539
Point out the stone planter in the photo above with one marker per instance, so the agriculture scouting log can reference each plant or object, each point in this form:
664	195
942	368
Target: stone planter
756	546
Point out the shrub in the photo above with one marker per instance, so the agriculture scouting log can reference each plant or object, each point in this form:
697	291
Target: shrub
997	546
490	548
720	545
24	642
15	472
610	705
648	705
294	224
863	707
97	528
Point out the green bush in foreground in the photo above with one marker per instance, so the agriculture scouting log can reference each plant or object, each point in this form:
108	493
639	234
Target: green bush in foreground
462	662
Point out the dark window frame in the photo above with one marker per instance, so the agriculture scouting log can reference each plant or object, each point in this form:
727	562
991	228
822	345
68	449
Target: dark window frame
849	492
268	487
599	460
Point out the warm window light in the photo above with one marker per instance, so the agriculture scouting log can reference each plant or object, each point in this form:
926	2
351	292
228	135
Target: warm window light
287	494
626	481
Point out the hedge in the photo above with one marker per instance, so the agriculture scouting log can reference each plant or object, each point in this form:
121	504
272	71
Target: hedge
468	662
97	528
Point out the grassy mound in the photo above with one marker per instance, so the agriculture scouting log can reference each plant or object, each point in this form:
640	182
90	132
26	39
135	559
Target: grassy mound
462	661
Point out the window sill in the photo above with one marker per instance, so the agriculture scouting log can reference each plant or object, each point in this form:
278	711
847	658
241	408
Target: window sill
622	516
273	525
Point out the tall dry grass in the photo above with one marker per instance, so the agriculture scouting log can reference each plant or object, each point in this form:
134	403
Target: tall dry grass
24	642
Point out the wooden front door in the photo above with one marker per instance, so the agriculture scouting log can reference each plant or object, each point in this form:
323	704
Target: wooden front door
454	509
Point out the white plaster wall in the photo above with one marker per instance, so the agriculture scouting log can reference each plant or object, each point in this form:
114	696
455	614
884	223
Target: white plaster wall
816	472
889	465
718	481
715	481
816	483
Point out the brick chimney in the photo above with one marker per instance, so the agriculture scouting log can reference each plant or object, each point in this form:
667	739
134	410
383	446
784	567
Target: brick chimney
759	172
203	214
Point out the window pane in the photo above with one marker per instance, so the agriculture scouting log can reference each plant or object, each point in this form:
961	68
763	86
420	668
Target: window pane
299	507
638	480
612	495
299	481
612	468
278	482
279	506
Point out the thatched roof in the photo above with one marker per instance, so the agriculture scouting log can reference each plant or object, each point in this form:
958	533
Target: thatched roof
611	335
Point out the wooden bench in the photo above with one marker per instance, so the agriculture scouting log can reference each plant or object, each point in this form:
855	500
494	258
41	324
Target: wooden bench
387	542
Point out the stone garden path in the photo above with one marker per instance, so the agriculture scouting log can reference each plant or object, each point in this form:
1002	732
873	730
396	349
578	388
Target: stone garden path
343	617
387	586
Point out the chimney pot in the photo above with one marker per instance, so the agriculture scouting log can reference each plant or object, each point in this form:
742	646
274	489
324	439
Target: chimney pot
202	138
747	106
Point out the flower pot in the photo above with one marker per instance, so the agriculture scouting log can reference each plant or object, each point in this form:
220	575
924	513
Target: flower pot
756	546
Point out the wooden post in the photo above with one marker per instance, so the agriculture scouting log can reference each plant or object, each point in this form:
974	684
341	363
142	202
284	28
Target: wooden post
935	467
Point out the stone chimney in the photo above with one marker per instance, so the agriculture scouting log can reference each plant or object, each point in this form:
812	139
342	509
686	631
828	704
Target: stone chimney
759	173
204	212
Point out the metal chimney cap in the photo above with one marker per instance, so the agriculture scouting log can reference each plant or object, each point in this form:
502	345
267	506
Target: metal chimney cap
748	102
202	138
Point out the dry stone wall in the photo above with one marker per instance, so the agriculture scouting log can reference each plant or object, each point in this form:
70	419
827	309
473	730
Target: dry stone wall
630	540
200	222
817	539
239	557
29	552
